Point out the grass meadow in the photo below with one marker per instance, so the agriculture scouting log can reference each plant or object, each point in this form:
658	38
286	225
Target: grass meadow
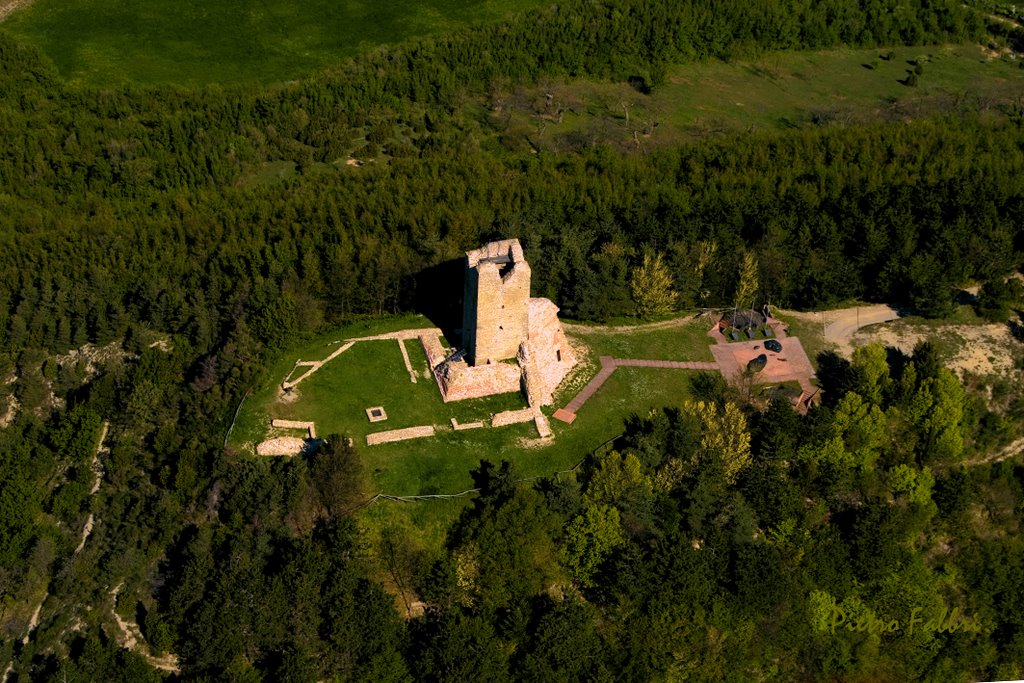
191	42
681	339
778	90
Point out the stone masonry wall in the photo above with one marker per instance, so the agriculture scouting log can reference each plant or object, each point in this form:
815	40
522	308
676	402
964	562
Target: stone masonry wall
548	352
496	302
459	381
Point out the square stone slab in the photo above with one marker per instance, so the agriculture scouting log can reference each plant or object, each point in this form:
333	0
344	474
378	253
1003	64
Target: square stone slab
376	414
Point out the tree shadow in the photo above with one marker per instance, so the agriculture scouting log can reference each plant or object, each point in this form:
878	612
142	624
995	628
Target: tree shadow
897	361
836	376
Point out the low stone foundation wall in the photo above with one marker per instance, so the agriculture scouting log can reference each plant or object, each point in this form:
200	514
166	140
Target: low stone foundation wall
295	424
543	426
399	435
459	381
465	425
282	445
511	417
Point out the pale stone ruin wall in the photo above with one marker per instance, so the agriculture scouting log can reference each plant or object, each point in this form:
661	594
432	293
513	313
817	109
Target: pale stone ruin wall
495	317
548	356
282	445
459	381
399	435
502	323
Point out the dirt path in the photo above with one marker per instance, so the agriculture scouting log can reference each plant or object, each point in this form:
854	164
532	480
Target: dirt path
97	469
130	637
97	465
313	365
842	323
9	8
628	329
1005	453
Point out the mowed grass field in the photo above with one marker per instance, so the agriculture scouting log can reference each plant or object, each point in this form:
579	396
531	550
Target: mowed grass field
194	42
372	373
680	339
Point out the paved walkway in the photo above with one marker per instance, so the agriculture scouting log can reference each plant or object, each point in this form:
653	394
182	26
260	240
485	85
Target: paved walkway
841	324
608	366
731	358
675	364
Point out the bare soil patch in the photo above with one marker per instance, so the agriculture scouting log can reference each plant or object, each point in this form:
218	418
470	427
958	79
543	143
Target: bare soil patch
9	8
978	349
10	412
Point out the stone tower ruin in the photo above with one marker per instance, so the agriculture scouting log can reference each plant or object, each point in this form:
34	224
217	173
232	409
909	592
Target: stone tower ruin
496	302
510	342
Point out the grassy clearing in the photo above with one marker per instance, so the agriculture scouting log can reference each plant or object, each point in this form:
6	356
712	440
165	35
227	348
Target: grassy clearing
256	413
372	373
685	339
780	90
443	464
964	343
811	336
189	42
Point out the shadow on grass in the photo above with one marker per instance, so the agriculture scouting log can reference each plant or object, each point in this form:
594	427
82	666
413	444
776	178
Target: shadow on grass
437	294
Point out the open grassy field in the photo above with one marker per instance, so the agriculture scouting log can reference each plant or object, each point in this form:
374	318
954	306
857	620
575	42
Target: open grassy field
778	90
190	42
680	339
372	373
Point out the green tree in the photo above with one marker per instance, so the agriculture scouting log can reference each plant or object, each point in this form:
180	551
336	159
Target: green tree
337	473
747	282
692	263
565	645
997	298
915	485
651	286
872	367
725	436
617	480
863	428
589	539
937	412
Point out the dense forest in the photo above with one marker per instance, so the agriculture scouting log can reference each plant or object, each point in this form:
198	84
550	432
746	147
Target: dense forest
717	541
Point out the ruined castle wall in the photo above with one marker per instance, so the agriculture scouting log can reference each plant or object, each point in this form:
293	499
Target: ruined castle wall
502	317
549	355
496	302
469	298
459	381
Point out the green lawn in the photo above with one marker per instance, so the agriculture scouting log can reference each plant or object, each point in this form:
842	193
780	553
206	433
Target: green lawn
442	464
685	339
811	336
372	373
190	42
843	85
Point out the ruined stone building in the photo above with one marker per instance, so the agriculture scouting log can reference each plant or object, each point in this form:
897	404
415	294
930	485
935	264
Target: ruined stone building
496	302
510	342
